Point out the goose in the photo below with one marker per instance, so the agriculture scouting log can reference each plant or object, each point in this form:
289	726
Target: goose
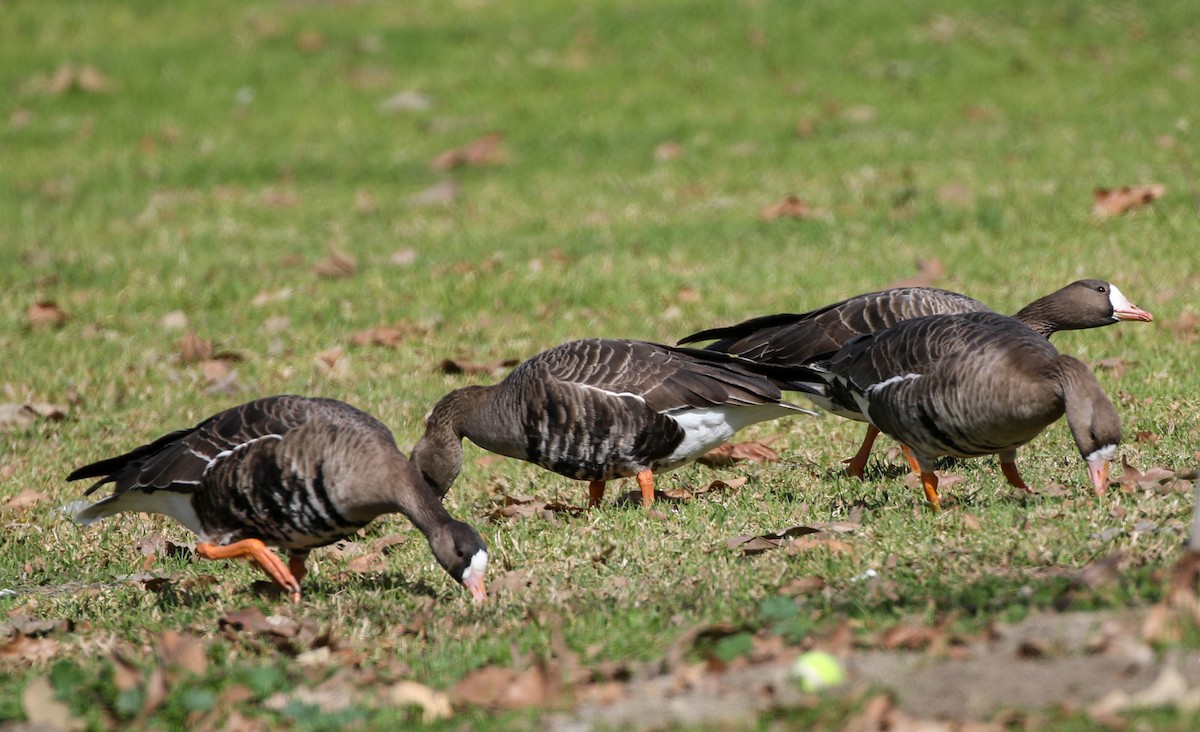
599	409
968	385
289	471
793	339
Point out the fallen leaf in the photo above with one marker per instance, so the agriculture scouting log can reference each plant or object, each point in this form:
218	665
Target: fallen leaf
333	363
327	700
23	648
310	42
1108	202
755	451
184	652
174	320
686	494
669	150
86	79
809	543
486	150
404	257
434	704
462	366
249	620
214	370
749	545
945	478
22	416
24	500
1116	364
44	315
22	624
929	271
1146	436
439	194
42	708
385	335
1186	328
338	264
193	348
505	688
788	207
803	586
126	675
523	507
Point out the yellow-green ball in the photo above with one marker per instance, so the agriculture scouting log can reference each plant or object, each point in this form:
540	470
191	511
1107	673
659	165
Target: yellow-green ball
818	670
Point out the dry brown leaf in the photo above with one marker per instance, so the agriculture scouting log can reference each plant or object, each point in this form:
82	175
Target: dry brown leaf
788	207
42	708
214	370
439	194
686	494
1146	436
909	637
755	451
766	542
338	264
434	704
803	586
1108	202
1186	328
126	675
310	42
193	348
23	648
385	335
264	298
462	366
333	363
929	271
1116	364
809	543
22	624
249	621
945	478
27	498
44	315
506	688
669	150
486	150
184	652
22	416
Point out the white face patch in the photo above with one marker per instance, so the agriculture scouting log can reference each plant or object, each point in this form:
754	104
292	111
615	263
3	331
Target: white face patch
477	567
1104	453
1118	300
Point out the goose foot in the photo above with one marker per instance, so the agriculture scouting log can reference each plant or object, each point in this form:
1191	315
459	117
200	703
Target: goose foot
857	464
645	480
257	552
595	493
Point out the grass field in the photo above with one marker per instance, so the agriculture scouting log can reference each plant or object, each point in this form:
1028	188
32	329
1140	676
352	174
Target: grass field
272	177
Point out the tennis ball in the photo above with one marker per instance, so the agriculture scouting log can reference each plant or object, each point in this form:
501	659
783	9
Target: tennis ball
818	670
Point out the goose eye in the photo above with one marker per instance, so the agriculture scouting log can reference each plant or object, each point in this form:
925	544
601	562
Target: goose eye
1101	288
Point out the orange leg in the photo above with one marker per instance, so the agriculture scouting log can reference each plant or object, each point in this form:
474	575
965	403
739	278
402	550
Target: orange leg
296	565
856	464
595	493
645	481
257	552
912	461
1014	478
929	481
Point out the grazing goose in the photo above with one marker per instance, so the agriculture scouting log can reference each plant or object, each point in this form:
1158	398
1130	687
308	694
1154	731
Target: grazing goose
968	385
795	339
597	410
290	471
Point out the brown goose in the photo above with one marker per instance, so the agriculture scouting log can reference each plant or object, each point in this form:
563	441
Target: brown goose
794	339
290	471
969	385
597	410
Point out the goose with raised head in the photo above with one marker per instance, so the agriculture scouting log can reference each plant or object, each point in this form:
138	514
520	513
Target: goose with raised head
598	410
288	471
968	385
795	339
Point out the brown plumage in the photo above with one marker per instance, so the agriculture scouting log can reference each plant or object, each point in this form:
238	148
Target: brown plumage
288	471
795	339
597	410
969	385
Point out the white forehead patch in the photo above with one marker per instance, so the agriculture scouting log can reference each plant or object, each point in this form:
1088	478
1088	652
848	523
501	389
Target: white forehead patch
478	565
1117	299
1104	453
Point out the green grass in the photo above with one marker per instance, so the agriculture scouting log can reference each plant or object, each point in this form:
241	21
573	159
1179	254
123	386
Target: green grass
971	134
